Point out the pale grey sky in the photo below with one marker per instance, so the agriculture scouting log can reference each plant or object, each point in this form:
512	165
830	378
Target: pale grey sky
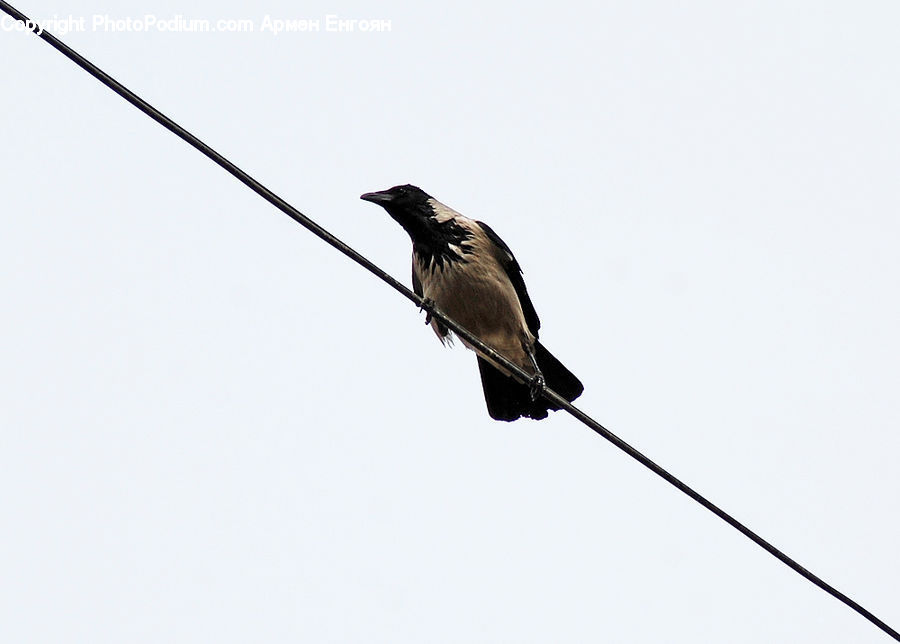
216	428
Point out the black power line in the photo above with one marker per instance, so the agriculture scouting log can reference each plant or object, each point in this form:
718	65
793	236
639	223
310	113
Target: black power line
514	369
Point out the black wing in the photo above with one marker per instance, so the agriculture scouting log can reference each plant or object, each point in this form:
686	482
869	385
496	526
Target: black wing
514	272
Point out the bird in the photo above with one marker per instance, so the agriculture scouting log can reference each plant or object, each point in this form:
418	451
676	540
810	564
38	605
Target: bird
462	267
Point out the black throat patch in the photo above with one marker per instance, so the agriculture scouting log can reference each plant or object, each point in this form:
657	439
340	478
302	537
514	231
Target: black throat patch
435	243
440	243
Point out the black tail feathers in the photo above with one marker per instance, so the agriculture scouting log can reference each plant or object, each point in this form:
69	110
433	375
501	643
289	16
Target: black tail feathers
508	400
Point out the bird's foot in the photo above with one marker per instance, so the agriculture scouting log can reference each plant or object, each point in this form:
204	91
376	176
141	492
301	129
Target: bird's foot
536	386
427	305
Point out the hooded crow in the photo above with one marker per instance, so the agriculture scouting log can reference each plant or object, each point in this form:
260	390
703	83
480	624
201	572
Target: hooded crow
471	275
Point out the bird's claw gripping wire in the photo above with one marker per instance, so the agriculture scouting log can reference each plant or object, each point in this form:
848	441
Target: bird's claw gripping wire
536	386
427	305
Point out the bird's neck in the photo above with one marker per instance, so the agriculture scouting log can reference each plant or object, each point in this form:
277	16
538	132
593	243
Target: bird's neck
436	242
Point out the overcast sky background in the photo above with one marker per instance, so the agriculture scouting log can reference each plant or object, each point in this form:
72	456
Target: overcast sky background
216	428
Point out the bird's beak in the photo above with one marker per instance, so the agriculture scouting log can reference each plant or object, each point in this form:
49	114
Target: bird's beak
377	197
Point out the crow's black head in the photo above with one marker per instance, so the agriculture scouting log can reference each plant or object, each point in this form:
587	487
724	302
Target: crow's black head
414	209
401	200
408	205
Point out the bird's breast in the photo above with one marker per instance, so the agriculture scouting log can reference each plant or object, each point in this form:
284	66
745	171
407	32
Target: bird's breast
477	293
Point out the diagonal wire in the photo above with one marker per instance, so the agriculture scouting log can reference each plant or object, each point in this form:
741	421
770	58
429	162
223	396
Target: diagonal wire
519	374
